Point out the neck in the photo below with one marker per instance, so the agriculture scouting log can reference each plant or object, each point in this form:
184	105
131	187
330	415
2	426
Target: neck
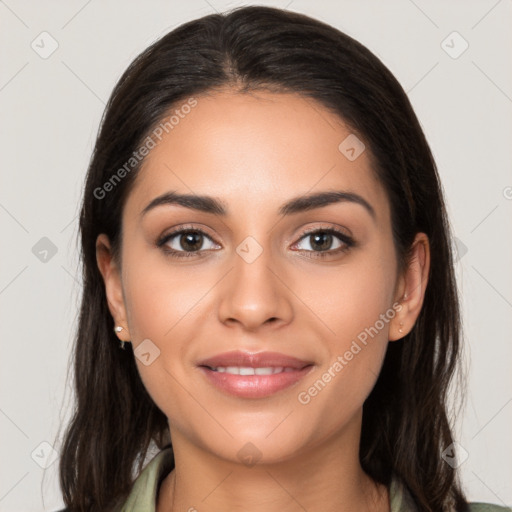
325	478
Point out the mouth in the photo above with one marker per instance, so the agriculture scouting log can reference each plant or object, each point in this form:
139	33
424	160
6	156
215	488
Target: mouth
257	375
248	370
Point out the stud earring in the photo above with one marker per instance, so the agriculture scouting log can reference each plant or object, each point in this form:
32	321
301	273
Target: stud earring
118	329
400	329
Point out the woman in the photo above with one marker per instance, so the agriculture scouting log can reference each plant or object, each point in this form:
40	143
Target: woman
263	226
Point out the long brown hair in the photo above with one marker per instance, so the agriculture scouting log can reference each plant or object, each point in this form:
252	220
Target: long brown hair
405	422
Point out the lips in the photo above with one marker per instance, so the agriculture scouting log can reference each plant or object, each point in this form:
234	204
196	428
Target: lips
258	360
253	375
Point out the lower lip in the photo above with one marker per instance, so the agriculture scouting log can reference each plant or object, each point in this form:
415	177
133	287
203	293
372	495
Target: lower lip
254	386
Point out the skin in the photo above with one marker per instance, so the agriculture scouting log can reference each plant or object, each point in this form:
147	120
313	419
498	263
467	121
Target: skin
255	152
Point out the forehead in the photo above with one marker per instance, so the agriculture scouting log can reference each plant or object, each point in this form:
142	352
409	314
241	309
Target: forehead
255	150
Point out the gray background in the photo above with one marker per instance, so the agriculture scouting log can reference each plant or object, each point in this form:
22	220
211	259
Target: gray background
50	111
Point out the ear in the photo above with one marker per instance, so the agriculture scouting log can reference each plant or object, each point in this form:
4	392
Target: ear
411	288
113	287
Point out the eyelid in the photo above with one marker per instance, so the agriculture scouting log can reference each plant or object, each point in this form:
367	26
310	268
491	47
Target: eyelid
329	228
179	230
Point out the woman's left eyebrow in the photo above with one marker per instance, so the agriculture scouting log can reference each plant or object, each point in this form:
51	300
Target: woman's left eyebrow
298	204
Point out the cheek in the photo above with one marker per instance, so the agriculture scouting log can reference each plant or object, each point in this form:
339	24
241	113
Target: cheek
160	296
355	355
346	300
163	305
354	302
336	396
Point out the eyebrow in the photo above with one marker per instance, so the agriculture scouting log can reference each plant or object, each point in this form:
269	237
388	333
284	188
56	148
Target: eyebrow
299	204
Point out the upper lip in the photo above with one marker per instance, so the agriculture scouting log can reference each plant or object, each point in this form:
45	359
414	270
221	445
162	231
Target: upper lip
251	360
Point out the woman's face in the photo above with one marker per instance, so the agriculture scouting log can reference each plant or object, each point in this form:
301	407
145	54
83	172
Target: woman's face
250	279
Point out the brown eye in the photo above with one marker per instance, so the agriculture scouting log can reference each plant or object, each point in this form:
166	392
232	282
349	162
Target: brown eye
321	241
190	241
324	242
186	242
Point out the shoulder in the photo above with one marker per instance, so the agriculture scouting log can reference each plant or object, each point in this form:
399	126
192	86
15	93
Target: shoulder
145	488
401	500
487	507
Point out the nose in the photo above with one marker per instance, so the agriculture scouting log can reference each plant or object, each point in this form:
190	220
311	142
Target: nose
254	294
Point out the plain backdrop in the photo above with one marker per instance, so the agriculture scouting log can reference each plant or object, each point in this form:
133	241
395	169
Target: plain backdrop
60	61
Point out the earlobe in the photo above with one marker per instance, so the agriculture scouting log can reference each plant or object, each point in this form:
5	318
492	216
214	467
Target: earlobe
412	288
112	280
398	326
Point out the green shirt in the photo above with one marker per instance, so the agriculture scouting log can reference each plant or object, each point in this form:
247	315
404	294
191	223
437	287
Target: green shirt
144	492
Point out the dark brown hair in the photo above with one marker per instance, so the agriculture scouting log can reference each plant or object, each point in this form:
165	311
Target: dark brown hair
405	422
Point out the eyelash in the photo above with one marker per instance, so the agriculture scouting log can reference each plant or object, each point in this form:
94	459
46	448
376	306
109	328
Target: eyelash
348	242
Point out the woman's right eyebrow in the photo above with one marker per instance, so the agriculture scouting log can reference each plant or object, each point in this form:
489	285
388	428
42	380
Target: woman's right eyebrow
298	204
205	204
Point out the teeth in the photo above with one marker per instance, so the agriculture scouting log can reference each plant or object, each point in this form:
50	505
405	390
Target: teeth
245	370
264	371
